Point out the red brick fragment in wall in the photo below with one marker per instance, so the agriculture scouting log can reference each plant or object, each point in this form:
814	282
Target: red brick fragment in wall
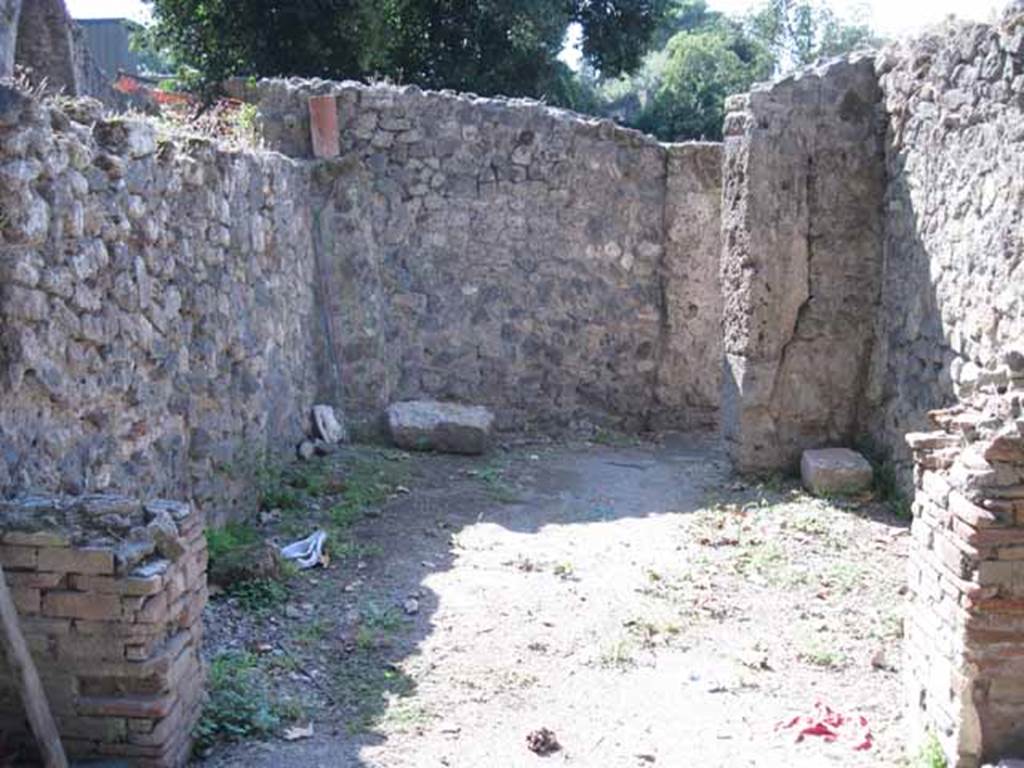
323	126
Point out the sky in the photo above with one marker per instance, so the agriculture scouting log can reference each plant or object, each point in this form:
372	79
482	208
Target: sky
890	17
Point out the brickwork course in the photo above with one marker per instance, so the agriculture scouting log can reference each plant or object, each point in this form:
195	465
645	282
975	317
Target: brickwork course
114	625
964	628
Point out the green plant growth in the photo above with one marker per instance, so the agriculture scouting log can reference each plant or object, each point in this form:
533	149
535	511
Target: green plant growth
614	438
242	563
931	754
234	549
619	654
229	539
820	655
493	477
259	596
510	48
368	484
313	632
245	123
276	493
288	488
240	703
365	683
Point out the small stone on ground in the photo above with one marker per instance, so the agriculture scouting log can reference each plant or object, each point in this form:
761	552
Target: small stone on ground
835	471
328	426
542	741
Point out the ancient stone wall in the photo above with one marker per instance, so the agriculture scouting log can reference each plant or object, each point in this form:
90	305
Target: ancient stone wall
952	301
41	38
171	309
801	260
690	359
156	307
45	44
110	592
555	268
10	11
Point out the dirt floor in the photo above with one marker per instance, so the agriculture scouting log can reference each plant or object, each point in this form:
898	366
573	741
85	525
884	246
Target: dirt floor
636	599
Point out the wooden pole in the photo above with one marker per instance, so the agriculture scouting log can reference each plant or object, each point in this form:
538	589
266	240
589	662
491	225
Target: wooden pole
26	678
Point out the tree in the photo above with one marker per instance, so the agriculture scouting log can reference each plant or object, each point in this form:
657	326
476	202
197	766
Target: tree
801	32
701	68
487	46
703	56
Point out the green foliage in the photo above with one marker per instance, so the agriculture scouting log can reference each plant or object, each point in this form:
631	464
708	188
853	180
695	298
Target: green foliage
508	47
245	123
368	483
259	596
801	32
228	541
239	559
703	56
497	486
819	654
240	704
153	58
931	754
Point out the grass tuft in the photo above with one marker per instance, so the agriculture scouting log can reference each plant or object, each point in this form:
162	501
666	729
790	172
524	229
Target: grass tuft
240	704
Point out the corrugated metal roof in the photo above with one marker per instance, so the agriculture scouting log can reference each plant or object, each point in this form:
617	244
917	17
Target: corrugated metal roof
107	40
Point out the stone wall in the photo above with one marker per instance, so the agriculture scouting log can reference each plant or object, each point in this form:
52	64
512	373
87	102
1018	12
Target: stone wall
952	302
110	592
10	11
962	663
555	268
156	307
801	260
690	358
171	309
41	38
45	44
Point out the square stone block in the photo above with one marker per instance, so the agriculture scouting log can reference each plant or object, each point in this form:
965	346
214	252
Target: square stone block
835	471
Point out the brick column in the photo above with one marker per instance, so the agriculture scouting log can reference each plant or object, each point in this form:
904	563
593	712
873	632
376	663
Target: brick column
964	634
114	626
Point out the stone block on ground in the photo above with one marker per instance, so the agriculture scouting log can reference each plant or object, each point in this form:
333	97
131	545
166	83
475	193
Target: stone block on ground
835	471
329	427
426	425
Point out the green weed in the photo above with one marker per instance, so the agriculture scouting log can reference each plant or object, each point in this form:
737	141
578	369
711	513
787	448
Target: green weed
259	596
613	438
313	632
618	655
820	655
368	484
234	550
500	489
931	754
229	540
240	704
245	123
565	571
650	633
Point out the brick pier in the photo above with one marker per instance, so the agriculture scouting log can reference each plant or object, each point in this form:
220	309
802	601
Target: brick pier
113	622
964	660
